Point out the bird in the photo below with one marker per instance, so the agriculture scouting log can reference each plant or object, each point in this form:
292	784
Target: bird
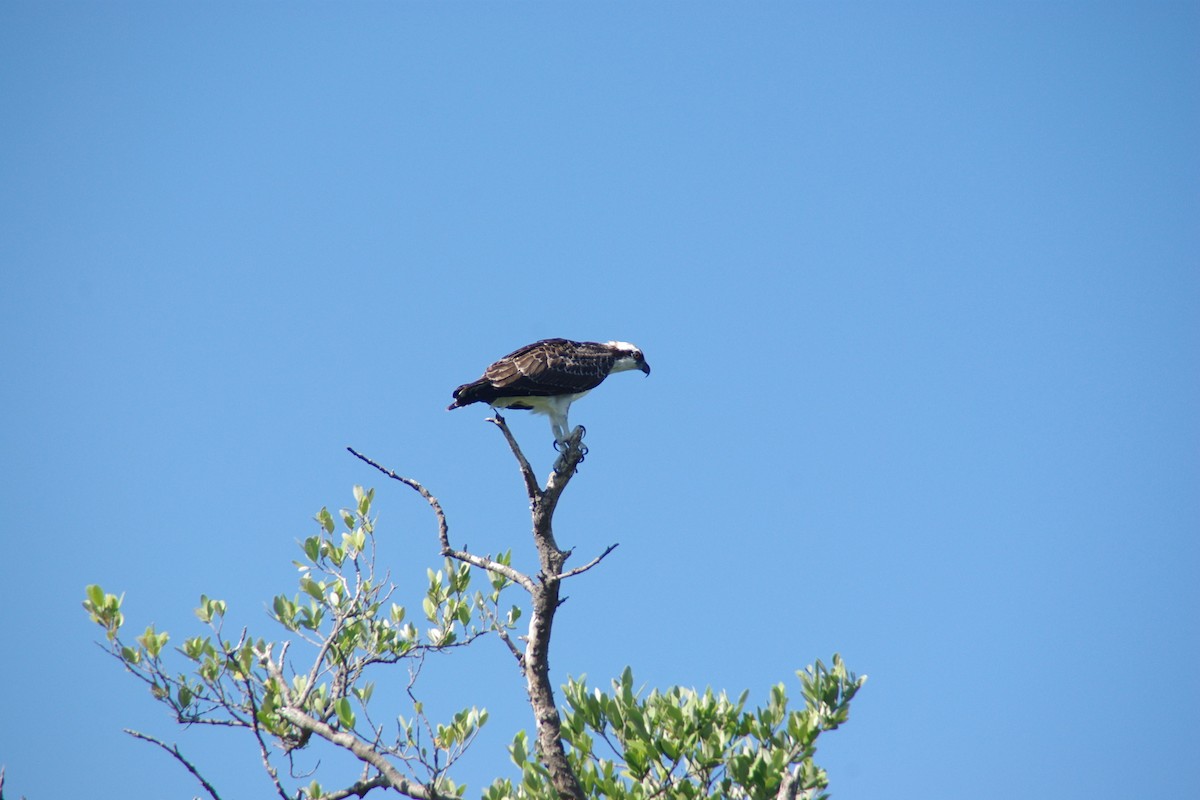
547	376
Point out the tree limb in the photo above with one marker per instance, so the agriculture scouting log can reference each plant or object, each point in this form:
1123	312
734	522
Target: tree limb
572	573
514	575
263	750
443	526
362	751
359	789
789	787
481	562
531	483
174	751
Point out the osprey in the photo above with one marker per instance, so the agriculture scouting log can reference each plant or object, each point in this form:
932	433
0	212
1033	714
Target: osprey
547	376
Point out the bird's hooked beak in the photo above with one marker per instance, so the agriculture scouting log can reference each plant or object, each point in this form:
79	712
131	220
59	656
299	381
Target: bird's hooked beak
644	367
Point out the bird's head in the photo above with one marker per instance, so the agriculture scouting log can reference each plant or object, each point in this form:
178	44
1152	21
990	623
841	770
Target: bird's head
628	357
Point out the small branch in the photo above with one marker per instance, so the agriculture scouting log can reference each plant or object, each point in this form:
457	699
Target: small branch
531	483
359	789
502	632
443	527
319	663
276	671
512	647
264	751
362	751
513	575
572	573
174	750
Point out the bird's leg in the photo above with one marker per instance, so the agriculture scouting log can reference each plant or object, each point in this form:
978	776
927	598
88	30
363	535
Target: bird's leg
559	426
569	446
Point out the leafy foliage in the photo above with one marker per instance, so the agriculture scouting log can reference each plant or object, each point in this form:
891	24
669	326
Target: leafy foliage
686	744
620	744
344	613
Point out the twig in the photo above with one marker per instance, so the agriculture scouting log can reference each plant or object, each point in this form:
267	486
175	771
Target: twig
358	789
572	573
444	529
174	750
514	575
531	483
264	751
502	632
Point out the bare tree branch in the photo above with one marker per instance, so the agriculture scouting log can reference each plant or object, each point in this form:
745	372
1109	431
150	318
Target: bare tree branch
263	750
572	573
481	562
362	751
443	526
502	632
531	482
359	789
174	751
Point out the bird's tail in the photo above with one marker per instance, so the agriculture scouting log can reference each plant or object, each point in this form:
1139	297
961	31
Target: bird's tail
467	394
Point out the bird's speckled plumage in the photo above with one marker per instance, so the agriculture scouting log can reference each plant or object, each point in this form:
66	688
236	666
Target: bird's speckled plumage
547	376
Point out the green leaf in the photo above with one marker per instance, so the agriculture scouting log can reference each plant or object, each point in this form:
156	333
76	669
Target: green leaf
518	750
312	588
364	693
152	642
312	545
364	499
345	714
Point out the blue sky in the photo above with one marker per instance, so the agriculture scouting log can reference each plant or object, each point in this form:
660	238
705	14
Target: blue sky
918	282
